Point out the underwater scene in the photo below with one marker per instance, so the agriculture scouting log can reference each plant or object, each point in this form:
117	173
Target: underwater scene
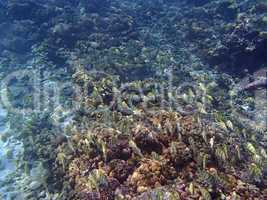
133	100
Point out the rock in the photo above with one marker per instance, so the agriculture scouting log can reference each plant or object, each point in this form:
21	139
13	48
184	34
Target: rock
120	170
180	154
59	139
148	142
113	184
148	174
120	150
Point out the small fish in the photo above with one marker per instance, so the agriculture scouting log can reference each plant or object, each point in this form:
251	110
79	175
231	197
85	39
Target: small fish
263	153
135	148
155	156
257	158
232	93
234	196
191	93
173	149
159	194
185	97
204	161
202	87
209	97
104	150
230	125
212	142
251	148
178	127
256	84
191	188
204	136
205	193
238	152
222	125
212	84
201	108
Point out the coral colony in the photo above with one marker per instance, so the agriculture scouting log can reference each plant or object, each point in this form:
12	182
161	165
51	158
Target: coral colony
134	100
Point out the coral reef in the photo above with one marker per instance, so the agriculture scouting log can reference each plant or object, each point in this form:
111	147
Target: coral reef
149	106
204	170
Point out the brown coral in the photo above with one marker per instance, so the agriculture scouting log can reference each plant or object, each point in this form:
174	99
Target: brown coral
147	175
